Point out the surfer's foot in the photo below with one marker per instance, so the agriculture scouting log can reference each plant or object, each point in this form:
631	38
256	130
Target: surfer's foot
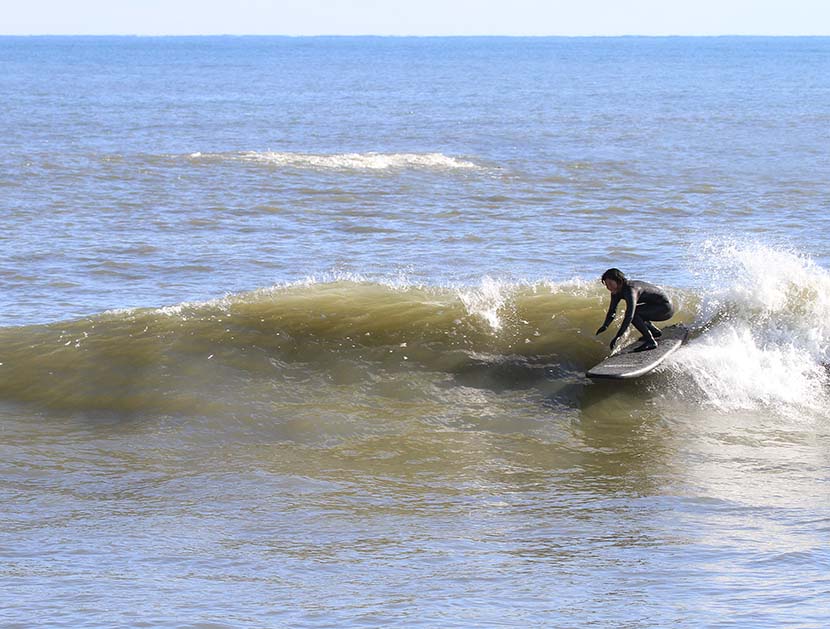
655	331
652	344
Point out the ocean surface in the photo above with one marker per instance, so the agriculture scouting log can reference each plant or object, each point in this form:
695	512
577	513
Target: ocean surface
293	332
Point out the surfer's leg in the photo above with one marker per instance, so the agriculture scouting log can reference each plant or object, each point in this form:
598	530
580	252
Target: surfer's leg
652	312
642	321
643	326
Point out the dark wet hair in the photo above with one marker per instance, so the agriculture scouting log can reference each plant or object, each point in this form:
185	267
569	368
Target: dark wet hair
616	275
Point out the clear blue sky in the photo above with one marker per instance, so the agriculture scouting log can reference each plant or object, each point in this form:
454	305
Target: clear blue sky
416	17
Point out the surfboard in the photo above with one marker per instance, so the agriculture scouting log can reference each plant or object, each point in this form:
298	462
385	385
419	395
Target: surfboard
627	363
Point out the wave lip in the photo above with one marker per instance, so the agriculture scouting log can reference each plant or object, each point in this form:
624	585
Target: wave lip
370	161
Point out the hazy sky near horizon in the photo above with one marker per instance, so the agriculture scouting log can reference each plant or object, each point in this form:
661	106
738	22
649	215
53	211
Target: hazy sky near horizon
416	17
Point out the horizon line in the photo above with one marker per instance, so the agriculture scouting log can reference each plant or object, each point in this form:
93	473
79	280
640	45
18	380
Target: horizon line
420	36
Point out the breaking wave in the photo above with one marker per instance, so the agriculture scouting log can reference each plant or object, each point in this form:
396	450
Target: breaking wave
763	330
760	340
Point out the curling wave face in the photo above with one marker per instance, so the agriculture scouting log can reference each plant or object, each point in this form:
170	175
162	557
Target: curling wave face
131	358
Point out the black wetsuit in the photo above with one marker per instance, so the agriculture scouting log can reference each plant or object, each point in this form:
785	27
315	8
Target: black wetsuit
644	303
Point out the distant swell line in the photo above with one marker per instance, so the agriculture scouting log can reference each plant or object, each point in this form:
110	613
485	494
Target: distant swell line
345	161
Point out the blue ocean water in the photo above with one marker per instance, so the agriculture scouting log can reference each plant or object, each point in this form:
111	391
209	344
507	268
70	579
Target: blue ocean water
293	332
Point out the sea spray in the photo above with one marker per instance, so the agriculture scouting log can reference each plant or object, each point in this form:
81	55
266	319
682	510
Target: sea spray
486	301
763	331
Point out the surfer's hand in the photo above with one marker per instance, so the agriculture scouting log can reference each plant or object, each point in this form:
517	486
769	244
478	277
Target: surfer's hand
602	329
614	342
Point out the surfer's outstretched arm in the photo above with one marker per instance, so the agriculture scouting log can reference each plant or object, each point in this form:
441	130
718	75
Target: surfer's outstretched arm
630	306
612	310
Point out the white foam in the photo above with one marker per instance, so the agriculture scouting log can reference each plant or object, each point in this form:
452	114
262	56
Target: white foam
766	315
736	370
782	293
348	161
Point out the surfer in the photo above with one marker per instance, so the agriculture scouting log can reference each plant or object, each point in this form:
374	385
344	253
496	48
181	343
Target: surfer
644	303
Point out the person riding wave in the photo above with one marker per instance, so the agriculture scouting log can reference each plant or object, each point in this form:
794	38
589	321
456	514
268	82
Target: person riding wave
644	303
